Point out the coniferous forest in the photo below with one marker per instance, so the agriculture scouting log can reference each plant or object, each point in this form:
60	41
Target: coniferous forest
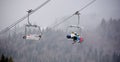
100	45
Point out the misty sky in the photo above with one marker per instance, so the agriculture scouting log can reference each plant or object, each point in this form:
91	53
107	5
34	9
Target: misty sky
12	10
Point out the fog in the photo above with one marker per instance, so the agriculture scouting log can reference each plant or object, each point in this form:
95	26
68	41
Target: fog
101	31
13	10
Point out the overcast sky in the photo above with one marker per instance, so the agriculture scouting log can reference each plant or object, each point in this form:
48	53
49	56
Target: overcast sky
12	10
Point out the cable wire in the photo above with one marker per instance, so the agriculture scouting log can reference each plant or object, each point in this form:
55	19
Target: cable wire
77	12
62	21
24	17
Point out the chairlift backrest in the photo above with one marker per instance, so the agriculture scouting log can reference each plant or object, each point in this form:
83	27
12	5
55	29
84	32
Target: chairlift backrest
31	34
73	28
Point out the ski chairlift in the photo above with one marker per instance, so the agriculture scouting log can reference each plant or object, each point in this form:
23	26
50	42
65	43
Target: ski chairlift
32	32
74	33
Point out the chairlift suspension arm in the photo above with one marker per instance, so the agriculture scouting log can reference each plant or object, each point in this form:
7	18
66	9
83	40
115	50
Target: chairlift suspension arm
28	18
24	17
78	14
78	19
29	11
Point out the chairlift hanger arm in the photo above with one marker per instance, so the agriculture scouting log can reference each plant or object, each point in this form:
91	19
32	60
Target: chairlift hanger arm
24	17
78	12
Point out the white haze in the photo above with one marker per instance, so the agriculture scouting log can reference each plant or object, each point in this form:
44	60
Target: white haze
12	10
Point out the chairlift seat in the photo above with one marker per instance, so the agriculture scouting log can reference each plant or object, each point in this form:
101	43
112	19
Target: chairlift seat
32	37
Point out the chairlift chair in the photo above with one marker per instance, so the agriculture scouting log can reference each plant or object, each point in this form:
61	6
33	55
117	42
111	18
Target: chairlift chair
32	32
